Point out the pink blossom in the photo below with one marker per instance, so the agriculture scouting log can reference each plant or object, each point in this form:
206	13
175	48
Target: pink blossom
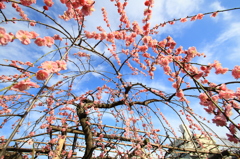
228	94
237	93
171	22
232	129
31	133
33	23
42	75
62	65
34	34
49	3
24	85
4	37
180	93
183	20
2	5
88	8
27	2
214	14
57	37
49	41
235	105
40	42
147	55
233	139
220	120
228	110
24	37
221	70
200	16
193	18
44	126
143	48
50	66
236	72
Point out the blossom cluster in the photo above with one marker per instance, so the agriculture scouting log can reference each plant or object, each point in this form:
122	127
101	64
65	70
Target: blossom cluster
73	11
24	85
50	67
25	38
5	38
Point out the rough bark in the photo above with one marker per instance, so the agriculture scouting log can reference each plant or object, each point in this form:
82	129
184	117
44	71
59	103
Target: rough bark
87	132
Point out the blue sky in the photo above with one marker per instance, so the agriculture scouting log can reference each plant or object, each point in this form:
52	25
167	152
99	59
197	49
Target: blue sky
217	37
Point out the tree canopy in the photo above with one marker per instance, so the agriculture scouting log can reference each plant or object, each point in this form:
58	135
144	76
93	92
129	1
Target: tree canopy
117	72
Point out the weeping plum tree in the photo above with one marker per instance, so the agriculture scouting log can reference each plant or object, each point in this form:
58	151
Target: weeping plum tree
83	77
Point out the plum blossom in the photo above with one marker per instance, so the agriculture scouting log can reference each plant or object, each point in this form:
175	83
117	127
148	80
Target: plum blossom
27	2
228	94
62	65
88	8
228	110
4	37
180	93
233	139
50	66
214	14
183	20
220	120
31	133
2	5
24	85
57	37
236	72
232	129
49	41
24	37
49	3
40	42
42	75
34	34
200	16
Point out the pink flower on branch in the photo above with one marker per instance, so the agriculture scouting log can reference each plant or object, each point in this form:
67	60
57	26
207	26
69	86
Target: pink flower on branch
49	3
214	14
57	37
42	75
200	16
2	5
50	66
31	133
220	120
227	94
4	37
62	65
183	20
24	37
40	42
24	85
34	34
27	2
233	139
54	67
49	41
88	8
236	72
